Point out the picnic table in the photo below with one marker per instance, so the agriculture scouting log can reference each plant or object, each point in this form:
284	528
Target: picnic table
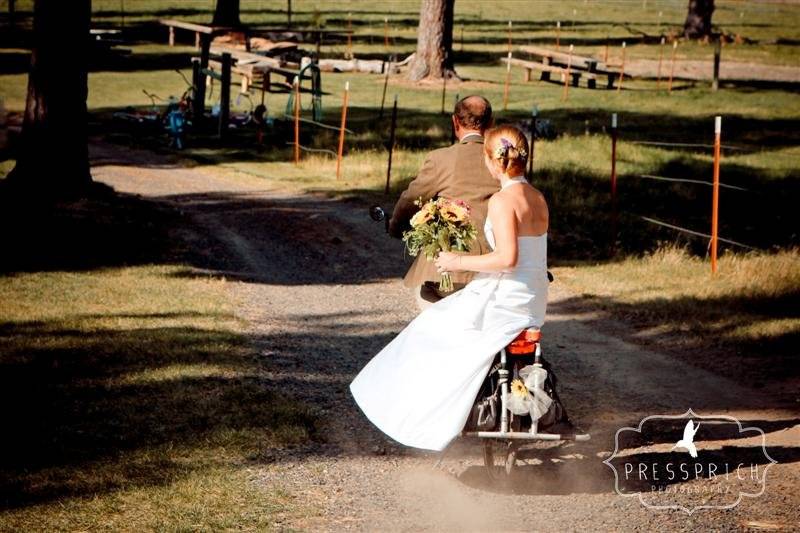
556	61
198	29
257	70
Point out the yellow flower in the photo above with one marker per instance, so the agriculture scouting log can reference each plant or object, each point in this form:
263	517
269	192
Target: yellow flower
518	388
421	217
454	213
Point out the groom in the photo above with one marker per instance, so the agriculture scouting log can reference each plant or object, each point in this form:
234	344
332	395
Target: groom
456	172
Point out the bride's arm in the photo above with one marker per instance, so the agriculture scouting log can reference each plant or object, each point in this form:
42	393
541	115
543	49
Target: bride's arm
504	255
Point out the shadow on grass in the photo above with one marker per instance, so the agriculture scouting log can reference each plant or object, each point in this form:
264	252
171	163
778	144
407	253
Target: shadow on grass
93	412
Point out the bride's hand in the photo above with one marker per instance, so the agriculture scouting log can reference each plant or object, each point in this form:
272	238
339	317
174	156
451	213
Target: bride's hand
448	262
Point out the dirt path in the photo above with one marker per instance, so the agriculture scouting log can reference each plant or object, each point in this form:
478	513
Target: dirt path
319	285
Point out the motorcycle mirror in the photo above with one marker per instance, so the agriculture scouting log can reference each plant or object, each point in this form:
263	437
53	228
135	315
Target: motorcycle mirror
377	213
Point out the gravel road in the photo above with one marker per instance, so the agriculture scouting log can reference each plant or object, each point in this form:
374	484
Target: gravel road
319	285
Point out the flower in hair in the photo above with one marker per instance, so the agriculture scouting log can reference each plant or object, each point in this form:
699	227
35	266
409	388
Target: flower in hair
501	152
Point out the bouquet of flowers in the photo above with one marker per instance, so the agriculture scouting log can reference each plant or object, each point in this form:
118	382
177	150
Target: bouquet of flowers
440	225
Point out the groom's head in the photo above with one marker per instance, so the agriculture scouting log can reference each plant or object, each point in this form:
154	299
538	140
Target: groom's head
473	114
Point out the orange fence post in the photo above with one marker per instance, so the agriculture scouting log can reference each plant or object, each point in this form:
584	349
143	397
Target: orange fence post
296	120
605	51
509	35
621	68
565	95
508	81
672	66
558	35
613	182
715	194
660	60
345	99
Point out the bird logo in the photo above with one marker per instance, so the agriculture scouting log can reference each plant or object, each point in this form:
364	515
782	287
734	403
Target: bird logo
687	441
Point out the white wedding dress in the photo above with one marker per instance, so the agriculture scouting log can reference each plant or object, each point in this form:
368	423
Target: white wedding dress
420	388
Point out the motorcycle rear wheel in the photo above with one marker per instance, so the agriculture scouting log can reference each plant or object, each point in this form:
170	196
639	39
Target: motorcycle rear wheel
500	459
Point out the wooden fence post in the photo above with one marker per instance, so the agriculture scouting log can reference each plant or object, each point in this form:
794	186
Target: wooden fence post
391	145
296	120
715	194
225	96
345	100
621	69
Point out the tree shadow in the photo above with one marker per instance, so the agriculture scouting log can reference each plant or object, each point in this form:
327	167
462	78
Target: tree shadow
95	411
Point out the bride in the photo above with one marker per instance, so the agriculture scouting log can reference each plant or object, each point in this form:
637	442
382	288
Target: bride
420	388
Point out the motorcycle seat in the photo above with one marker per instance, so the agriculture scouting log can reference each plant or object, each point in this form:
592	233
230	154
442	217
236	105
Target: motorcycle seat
525	342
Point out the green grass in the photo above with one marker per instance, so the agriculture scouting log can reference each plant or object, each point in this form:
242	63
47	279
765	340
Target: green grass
143	406
131	396
741	322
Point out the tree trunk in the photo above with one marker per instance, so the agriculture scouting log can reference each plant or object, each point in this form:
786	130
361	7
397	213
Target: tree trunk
434	58
698	19
227	14
53	155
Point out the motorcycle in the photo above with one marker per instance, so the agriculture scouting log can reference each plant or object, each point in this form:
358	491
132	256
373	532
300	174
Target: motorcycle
517	403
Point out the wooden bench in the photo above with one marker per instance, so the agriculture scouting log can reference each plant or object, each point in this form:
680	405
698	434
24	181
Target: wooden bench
588	66
546	70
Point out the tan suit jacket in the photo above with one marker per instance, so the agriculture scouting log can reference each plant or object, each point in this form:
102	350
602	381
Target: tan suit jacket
456	172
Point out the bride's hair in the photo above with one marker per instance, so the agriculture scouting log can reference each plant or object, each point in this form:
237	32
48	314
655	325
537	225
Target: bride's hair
509	147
